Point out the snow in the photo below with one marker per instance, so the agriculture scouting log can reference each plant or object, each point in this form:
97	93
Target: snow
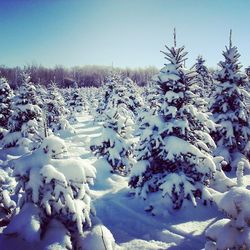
131	226
26	224
122	222
57	237
233	232
100	238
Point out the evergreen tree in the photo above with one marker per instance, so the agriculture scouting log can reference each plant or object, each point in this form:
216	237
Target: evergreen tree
115	143
94	98
52	187
133	100
76	100
41	92
203	78
230	110
86	99
174	150
56	112
26	121
112	80
5	102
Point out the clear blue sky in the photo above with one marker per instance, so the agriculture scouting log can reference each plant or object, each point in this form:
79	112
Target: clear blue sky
127	32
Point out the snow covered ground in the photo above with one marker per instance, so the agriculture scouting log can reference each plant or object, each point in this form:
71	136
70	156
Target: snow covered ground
122	214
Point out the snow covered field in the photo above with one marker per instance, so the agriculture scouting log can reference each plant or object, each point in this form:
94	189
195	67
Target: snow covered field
132	227
164	166
122	214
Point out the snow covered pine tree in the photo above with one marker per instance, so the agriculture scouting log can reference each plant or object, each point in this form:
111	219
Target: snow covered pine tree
133	99
112	80
26	121
56	112
230	110
76	100
116	142
174	151
5	106
5	102
53	189
203	78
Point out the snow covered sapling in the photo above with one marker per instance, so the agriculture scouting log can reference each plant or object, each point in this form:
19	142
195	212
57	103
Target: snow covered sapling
76	100
5	102
230	109
55	110
115	143
26	121
233	232
75	103
133	98
110	84
51	186
203	78
174	151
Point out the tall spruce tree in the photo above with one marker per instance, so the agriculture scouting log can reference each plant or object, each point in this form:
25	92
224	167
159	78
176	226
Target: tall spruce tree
230	110
174	151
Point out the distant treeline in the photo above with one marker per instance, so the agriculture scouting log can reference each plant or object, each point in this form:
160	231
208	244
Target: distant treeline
85	76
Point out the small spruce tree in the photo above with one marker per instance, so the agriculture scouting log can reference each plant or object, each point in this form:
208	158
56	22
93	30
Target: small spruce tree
6	95
26	121
116	142
52	187
203	78
112	80
56	112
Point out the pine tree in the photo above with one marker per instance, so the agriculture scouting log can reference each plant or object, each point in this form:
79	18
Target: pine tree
76	100
52	187
133	100
26	121
230	109
5	102
112	80
174	150
115	143
203	78
56	112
